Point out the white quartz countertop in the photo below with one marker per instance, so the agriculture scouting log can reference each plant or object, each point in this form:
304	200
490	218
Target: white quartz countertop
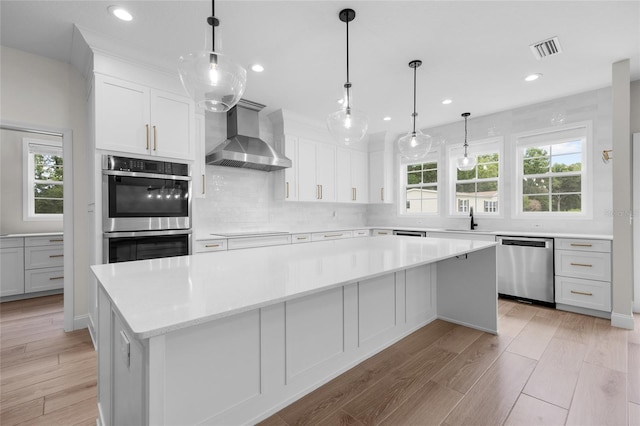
160	295
32	234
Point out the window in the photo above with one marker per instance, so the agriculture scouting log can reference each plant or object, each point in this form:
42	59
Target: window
477	188
420	187
551	172
44	171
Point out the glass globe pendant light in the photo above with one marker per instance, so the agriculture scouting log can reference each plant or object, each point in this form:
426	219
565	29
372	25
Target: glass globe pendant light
213	81
347	125
415	144
467	162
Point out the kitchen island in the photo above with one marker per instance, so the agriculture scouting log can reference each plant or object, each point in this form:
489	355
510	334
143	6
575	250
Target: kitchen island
231	337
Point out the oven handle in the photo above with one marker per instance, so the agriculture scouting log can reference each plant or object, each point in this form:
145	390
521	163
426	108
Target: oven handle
130	234
144	175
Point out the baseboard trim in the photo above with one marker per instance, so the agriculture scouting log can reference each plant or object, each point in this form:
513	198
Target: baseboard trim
622	321
81	321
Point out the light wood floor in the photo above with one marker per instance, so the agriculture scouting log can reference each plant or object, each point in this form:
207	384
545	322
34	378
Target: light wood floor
47	376
546	367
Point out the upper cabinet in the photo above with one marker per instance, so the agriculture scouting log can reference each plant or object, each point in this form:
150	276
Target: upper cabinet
352	176
136	119
316	171
381	169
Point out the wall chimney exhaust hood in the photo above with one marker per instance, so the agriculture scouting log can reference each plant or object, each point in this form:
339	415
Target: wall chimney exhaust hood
243	146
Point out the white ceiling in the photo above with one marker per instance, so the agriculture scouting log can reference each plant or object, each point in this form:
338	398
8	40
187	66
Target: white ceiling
474	52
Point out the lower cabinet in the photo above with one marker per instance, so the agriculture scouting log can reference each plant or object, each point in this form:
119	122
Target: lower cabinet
583	275
31	264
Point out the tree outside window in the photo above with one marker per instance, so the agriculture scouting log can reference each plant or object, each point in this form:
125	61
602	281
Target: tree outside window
476	187
45	175
421	188
552	178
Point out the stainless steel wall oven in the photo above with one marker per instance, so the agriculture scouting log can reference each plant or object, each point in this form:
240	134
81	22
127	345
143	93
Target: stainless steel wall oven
146	209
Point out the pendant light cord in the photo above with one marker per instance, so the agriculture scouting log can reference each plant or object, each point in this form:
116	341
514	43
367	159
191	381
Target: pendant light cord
466	145
213	27
414	99
348	84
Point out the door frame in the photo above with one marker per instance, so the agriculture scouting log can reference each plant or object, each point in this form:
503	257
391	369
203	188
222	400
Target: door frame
67	203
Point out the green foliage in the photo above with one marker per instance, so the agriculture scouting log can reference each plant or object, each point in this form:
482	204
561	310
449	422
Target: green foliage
48	190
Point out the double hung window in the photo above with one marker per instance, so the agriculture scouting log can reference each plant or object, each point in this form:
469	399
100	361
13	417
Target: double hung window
420	186
43	182
552	172
478	188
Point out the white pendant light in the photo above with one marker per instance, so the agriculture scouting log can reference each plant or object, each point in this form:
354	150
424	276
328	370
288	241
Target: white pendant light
213	81
347	125
415	144
467	162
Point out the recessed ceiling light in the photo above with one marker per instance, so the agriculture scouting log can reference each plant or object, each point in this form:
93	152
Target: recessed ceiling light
532	77
387	118
120	13
257	68
446	101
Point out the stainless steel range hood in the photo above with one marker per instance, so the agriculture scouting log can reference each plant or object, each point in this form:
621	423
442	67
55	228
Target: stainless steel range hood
243	147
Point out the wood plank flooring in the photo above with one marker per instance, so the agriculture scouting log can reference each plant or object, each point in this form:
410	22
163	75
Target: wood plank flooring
47	376
546	367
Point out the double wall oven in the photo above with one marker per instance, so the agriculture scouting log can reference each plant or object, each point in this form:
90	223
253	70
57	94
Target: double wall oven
146	209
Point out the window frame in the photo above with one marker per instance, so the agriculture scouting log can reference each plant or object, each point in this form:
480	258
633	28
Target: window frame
555	136
433	156
477	147
28	165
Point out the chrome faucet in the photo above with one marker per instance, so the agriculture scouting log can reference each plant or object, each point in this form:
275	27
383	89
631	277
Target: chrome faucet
473	224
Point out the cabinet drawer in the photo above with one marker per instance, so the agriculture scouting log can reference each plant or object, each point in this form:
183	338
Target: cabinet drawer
249	242
300	238
11	242
603	246
584	293
336	235
210	245
592	266
43	257
376	232
52	240
361	233
43	279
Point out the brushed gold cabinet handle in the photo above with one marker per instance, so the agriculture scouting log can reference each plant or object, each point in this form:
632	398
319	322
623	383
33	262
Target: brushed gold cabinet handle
155	137
147	126
211	245
204	184
317	192
381	194
56	278
56	255
287	189
584	293
321	192
581	264
301	238
581	245
332	235
383	233
56	241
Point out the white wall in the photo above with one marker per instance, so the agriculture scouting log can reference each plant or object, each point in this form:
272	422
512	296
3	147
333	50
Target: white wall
594	106
40	92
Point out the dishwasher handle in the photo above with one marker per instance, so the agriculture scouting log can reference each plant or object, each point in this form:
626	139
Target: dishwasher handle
526	242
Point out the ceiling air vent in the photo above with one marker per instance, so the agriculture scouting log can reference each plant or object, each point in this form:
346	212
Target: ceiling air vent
545	48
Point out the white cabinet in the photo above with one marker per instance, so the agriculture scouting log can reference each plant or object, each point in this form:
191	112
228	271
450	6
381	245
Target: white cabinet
352	176
316	171
136	119
381	177
583	274
31	264
259	241
43	264
203	246
291	173
332	235
300	238
11	266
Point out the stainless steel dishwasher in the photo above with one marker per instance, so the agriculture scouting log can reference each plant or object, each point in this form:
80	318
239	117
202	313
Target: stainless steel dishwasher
525	268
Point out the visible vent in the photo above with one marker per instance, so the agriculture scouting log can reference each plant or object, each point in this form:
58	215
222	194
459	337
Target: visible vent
545	48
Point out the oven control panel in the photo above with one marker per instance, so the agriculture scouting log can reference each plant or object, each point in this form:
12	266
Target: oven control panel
125	164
